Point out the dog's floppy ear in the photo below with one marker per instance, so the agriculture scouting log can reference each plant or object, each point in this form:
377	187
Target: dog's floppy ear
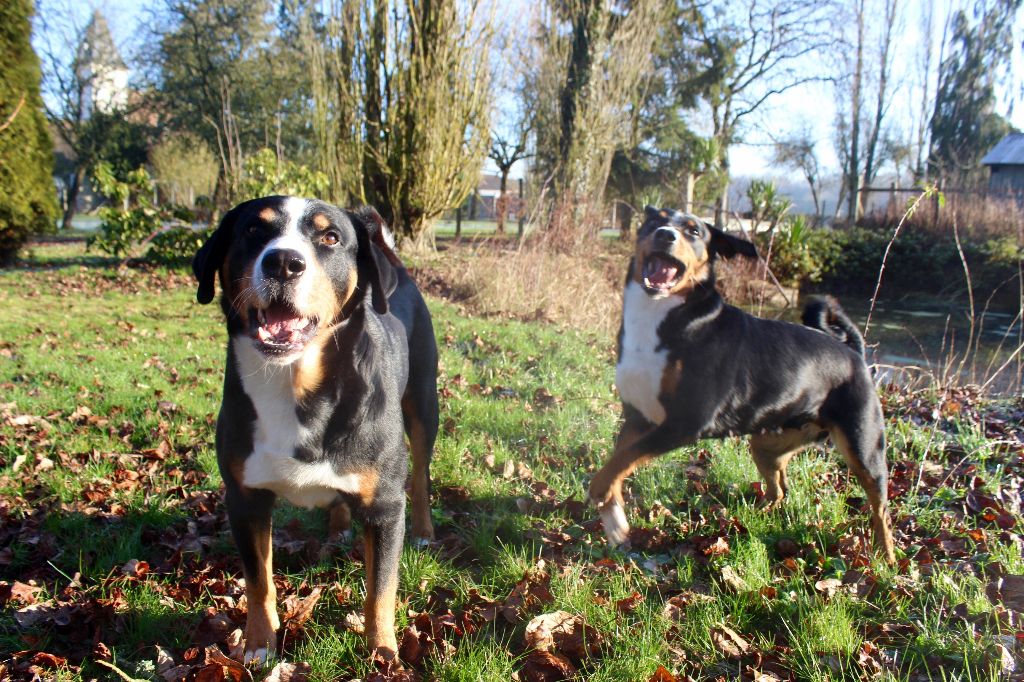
210	256
727	246
379	233
374	266
652	213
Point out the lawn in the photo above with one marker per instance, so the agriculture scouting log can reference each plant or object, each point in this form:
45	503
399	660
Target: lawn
114	544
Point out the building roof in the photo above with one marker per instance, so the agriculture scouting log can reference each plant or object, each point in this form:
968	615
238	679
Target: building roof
1010	151
490	181
98	48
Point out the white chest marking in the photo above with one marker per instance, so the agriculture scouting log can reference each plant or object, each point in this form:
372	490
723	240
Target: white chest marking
277	433
641	365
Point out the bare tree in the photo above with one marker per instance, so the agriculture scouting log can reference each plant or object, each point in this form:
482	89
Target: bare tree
860	129
797	152
850	156
750	56
926	51
506	153
883	95
65	86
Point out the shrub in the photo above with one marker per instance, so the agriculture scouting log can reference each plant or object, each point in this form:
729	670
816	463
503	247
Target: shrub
921	261
800	254
133	219
184	168
264	173
28	202
177	245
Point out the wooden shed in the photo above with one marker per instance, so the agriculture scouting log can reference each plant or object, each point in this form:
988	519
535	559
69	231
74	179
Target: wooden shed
1005	162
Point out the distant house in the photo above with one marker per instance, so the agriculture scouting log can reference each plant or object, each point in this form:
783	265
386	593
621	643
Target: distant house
482	203
1005	162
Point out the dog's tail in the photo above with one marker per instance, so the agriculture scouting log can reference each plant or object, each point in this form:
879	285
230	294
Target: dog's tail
825	314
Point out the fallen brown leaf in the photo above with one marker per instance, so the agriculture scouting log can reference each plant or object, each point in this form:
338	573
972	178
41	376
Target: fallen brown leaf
1008	589
564	633
729	642
289	672
299	609
544	666
732	580
232	668
629	604
663	675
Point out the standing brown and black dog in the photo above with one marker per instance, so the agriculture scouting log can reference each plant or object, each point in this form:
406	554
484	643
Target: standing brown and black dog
692	367
330	354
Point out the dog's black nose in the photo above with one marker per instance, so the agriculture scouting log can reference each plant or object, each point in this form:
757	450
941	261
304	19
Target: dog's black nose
666	235
283	264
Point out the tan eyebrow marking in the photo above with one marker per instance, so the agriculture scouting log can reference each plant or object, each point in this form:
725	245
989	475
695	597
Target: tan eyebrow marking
321	221
267	215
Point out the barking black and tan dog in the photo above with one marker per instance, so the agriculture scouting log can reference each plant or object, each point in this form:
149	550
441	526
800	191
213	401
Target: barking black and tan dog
331	352
692	367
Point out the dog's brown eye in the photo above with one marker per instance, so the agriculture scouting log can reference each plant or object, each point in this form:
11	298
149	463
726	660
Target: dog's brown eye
329	239
694	230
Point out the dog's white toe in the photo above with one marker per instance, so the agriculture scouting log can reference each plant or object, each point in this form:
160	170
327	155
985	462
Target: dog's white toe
258	656
616	528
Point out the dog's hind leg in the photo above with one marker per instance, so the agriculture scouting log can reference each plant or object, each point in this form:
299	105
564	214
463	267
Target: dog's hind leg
863	447
772	466
249	515
772	453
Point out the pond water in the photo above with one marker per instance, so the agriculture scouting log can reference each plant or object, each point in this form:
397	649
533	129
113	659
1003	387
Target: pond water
914	343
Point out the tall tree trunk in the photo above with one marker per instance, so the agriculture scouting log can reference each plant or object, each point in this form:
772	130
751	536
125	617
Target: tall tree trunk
72	198
853	169
927	48
880	101
502	203
375	186
577	79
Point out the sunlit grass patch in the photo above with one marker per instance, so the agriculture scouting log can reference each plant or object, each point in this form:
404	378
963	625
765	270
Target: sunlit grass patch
528	415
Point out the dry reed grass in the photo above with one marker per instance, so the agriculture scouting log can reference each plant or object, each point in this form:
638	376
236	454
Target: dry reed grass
533	282
978	216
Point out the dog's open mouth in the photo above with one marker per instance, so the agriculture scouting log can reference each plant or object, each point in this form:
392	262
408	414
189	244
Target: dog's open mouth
661	273
279	329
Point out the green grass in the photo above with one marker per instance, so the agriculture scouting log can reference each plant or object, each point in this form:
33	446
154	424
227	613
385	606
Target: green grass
82	494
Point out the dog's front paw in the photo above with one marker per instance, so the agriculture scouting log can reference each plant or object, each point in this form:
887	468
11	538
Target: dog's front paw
259	641
616	527
259	655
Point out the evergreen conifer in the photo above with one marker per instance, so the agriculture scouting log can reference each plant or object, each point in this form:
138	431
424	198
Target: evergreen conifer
27	201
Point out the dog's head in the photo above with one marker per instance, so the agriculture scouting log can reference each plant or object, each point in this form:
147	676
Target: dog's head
675	252
289	269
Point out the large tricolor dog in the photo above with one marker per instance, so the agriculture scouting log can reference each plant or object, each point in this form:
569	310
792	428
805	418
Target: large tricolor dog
330	355
692	367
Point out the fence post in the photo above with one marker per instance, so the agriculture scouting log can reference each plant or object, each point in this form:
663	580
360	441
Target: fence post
458	222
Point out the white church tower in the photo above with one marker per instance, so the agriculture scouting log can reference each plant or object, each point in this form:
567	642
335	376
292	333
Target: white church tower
101	69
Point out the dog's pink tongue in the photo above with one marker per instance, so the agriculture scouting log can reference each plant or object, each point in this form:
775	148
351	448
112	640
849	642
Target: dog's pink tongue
660	272
282	327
